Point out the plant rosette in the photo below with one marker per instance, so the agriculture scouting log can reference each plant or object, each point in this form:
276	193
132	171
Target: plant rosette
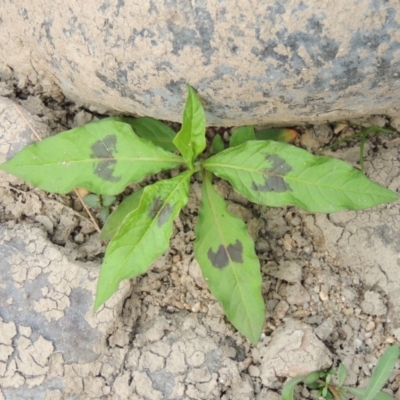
106	156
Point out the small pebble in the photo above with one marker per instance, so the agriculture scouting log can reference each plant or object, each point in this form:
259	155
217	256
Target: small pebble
254	371
176	258
370	326
323	296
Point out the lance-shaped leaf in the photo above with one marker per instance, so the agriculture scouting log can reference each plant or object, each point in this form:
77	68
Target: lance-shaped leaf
279	174
191	140
103	157
115	220
225	252
382	372
143	236
151	129
290	386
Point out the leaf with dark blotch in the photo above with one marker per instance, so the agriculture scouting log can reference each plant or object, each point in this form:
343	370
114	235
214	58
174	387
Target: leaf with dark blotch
143	235
278	174
151	129
225	255
103	150
273	180
103	157
242	135
225	252
191	140
115	220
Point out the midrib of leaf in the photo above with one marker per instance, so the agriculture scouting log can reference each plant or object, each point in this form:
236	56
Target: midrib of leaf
284	177
207	183
90	160
184	176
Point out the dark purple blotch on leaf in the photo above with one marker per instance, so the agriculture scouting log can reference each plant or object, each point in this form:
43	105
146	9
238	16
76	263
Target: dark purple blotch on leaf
274	181
164	215
164	211
233	252
104	150
155	206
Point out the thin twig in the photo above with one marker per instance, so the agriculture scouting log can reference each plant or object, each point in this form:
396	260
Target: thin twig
75	191
27	122
88	211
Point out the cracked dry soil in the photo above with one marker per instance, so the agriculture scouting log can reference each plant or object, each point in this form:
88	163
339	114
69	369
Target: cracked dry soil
330	283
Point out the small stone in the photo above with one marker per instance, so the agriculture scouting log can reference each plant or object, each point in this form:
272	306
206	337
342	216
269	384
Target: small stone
370	326
378	120
254	371
373	304
176	258
395	123
294	350
323	296
82	118
339	127
297	294
317	136
288	271
281	309
324	330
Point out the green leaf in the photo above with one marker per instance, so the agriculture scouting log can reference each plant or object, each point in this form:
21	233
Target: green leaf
382	372
114	221
311	377
383	396
151	129
277	134
103	157
143	236
242	135
278	174
92	200
191	140
342	373
225	252
360	393
342	396
290	386
104	213
107	201
217	144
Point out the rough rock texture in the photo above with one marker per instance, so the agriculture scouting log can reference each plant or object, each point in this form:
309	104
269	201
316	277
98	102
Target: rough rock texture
251	62
294	350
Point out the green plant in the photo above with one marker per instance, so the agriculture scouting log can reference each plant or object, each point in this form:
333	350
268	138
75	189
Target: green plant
326	388
103	203
362	134
106	156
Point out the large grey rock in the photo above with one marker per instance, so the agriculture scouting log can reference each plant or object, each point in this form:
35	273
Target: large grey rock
251	62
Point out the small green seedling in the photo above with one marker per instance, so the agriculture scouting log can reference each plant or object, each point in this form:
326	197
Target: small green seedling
103	203
106	156
322	381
